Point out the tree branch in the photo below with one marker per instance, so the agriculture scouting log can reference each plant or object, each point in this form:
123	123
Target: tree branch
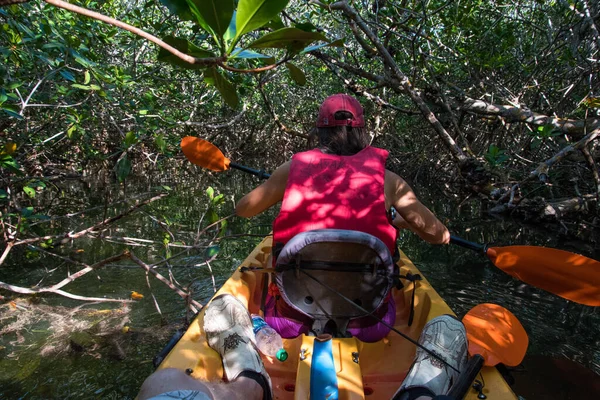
510	114
360	91
405	83
100	17
280	124
22	290
70	236
542	170
186	296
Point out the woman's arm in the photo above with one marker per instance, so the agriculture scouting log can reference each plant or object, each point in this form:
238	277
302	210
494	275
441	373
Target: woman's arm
412	213
265	195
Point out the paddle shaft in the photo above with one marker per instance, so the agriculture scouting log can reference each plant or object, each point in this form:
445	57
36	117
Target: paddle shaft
460	388
260	173
482	248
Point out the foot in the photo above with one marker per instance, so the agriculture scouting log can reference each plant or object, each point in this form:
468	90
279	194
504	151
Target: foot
228	328
445	336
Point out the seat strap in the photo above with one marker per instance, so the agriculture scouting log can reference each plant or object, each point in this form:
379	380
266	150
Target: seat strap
412	278
265	289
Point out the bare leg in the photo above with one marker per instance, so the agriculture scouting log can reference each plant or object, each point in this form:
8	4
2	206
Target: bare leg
171	379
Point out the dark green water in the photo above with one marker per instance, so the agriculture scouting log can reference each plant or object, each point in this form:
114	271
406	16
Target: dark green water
115	365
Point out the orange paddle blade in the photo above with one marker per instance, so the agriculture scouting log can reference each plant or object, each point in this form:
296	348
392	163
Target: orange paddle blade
203	153
496	334
569	275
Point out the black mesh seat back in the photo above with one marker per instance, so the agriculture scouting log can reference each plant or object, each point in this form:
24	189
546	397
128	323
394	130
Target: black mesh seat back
323	273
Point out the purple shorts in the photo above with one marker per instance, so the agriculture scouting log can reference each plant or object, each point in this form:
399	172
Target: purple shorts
289	323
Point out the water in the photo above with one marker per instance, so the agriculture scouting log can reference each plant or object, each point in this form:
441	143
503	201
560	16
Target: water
36	362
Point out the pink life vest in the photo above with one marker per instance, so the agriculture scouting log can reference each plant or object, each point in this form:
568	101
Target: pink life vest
328	191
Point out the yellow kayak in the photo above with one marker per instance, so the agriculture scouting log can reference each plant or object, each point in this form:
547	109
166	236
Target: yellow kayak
364	370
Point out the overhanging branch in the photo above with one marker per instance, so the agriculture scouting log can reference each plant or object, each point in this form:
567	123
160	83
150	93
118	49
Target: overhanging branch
510	114
120	24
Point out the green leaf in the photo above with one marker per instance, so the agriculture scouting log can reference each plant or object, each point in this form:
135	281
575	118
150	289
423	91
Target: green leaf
252	14
225	88
276	23
6	161
241	53
14	85
27	211
211	251
216	13
193	4
212	216
335	43
161	144
179	8
12	112
210	192
71	130
287	38
30	191
130	139
230	32
79	59
87	78
123	168
185	47
82	87
306	26
223	229
545	131
219	199
37	184
67	75
3	194
296	74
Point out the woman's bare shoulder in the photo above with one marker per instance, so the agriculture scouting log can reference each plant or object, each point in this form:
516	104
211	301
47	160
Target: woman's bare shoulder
393	180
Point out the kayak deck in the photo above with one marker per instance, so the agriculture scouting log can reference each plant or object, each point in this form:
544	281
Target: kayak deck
364	370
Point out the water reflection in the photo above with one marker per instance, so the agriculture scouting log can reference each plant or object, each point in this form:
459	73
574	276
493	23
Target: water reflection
558	329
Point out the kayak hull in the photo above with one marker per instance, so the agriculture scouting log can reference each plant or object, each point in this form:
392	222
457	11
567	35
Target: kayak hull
364	370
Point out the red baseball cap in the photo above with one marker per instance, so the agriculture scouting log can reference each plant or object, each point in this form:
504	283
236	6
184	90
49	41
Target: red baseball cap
340	102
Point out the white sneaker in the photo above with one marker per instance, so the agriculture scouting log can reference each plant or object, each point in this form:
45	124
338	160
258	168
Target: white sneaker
445	336
228	328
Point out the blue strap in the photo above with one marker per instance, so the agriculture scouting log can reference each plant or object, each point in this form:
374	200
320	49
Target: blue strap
323	380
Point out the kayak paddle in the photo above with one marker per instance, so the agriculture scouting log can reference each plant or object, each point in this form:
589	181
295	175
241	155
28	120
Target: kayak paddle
496	334
568	275
205	154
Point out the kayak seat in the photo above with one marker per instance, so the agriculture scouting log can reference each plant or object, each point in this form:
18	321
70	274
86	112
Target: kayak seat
334	276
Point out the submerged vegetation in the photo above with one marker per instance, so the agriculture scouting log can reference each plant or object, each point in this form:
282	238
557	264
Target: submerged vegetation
494	102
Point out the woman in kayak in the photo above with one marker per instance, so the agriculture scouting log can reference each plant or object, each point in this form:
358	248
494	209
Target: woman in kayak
341	184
